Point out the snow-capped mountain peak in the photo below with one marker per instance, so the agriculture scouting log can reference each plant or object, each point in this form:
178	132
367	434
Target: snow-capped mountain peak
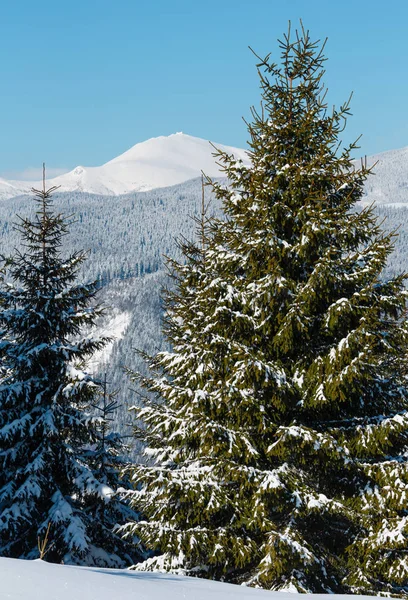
169	160
158	162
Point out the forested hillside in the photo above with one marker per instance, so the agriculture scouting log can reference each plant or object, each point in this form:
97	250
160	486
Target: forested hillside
127	238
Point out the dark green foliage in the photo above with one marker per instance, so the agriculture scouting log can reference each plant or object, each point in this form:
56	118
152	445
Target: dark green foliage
46	479
283	398
108	458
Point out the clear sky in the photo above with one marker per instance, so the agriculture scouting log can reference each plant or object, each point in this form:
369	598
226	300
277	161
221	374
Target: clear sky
84	80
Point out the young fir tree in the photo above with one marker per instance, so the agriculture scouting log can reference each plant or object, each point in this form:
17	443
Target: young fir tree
281	405
46	482
108	459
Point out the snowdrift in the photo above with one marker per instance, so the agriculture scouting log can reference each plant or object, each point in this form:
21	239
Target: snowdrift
38	580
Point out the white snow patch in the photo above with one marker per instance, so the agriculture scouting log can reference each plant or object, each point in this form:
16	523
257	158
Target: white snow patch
38	580
115	328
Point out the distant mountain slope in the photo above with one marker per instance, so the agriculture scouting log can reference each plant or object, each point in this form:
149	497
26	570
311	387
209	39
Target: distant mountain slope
389	182
158	162
11	189
169	160
155	163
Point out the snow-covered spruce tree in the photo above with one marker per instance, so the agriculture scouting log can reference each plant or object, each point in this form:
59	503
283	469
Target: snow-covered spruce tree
108	458
45	396
284	388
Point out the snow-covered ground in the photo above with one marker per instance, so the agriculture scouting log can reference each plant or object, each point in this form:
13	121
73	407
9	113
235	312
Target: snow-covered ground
38	580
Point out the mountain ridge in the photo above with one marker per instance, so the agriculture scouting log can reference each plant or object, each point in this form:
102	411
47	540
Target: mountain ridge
165	161
155	163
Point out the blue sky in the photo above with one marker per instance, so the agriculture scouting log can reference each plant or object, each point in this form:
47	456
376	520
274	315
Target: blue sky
82	81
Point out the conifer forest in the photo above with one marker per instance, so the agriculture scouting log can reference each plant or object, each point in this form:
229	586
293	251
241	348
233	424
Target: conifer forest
252	425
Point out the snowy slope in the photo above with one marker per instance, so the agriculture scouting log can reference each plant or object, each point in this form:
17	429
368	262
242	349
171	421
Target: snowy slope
389	182
37	580
165	161
155	163
10	189
115	328
169	160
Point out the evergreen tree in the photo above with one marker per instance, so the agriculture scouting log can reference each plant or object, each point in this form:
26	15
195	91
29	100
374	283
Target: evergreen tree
284	390
46	479
108	459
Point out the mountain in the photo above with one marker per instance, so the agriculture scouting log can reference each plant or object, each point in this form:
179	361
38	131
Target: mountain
389	182
166	161
159	162
169	160
10	189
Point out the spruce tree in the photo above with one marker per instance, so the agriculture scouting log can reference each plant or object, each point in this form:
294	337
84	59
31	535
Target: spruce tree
46	480
284	388
108	457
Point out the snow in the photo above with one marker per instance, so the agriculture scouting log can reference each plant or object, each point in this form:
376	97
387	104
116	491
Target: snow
10	189
115	328
158	162
389	185
168	160
38	580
